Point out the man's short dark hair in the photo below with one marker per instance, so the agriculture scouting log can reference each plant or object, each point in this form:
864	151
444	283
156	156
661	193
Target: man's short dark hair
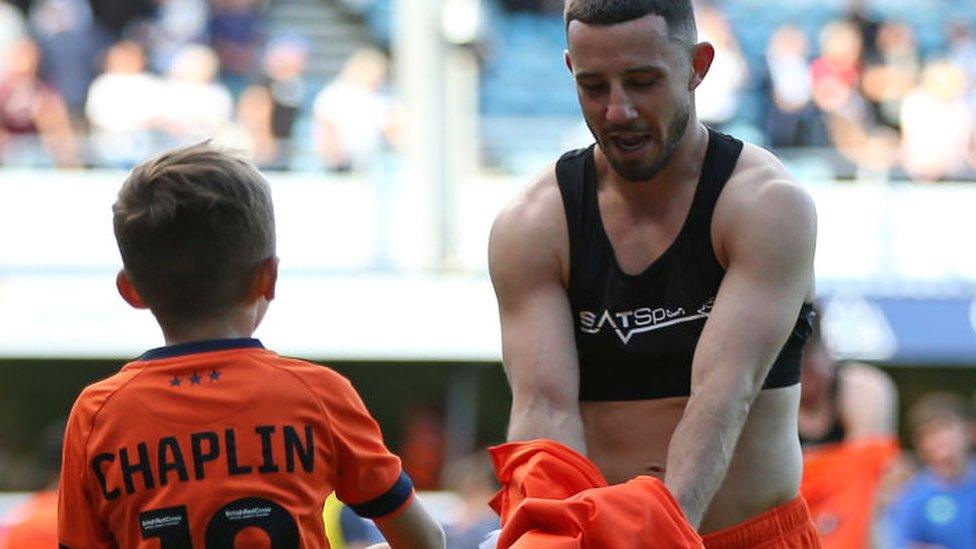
678	14
193	225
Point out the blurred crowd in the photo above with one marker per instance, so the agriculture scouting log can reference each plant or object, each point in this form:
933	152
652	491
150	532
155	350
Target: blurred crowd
861	87
89	83
102	83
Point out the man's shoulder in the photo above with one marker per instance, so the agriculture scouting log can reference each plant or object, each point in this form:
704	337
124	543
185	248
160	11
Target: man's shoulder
533	214
539	205
758	168
534	204
762	195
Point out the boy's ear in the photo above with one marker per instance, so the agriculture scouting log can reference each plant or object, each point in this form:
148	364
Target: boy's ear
265	280
128	291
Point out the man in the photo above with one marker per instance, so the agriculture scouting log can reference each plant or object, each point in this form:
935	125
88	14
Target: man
848	432
651	288
937	507
213	441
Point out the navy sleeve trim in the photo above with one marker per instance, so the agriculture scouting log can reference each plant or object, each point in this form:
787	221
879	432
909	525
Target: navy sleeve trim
388	502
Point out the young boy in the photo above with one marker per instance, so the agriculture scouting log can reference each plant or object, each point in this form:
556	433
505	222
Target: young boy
213	441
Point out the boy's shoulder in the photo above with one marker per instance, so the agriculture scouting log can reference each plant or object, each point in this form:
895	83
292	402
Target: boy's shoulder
322	379
94	396
307	369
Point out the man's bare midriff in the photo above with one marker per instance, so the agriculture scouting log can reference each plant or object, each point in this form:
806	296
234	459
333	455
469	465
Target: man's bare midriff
630	438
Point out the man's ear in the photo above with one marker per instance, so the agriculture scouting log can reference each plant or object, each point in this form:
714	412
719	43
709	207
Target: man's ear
265	280
128	291
702	55
568	60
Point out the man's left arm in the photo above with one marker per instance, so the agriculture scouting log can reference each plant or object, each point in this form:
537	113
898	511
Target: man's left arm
768	246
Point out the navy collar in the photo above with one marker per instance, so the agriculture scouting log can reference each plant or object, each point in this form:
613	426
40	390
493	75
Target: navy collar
204	346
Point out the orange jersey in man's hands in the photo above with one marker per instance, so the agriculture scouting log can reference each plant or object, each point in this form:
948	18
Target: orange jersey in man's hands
553	497
202	444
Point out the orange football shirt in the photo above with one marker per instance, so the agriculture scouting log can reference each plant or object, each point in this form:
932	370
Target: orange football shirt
553	497
840	483
220	444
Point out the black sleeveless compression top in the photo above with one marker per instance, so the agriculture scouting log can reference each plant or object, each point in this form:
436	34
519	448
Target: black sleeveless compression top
636	334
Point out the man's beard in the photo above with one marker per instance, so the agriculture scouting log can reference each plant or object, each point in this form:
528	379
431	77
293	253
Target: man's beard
641	171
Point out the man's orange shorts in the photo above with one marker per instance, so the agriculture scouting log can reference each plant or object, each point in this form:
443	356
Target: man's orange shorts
787	526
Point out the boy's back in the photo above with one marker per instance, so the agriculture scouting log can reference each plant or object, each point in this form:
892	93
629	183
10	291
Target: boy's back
200	441
213	441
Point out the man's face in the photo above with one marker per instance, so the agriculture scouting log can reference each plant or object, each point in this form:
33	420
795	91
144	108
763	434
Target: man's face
634	85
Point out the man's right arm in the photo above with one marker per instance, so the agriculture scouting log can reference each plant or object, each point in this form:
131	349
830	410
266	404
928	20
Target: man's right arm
527	254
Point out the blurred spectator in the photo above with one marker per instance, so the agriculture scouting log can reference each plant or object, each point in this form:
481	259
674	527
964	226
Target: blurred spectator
13	28
972	152
859	15
70	40
793	120
117	17
889	78
235	34
836	72
937	124
121	107
34	524
34	124
253	129
962	53
473	480
962	49
972	420
847	424
268	111
194	105
850	120
937	508
354	118
717	99
534	6
422	450
177	24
